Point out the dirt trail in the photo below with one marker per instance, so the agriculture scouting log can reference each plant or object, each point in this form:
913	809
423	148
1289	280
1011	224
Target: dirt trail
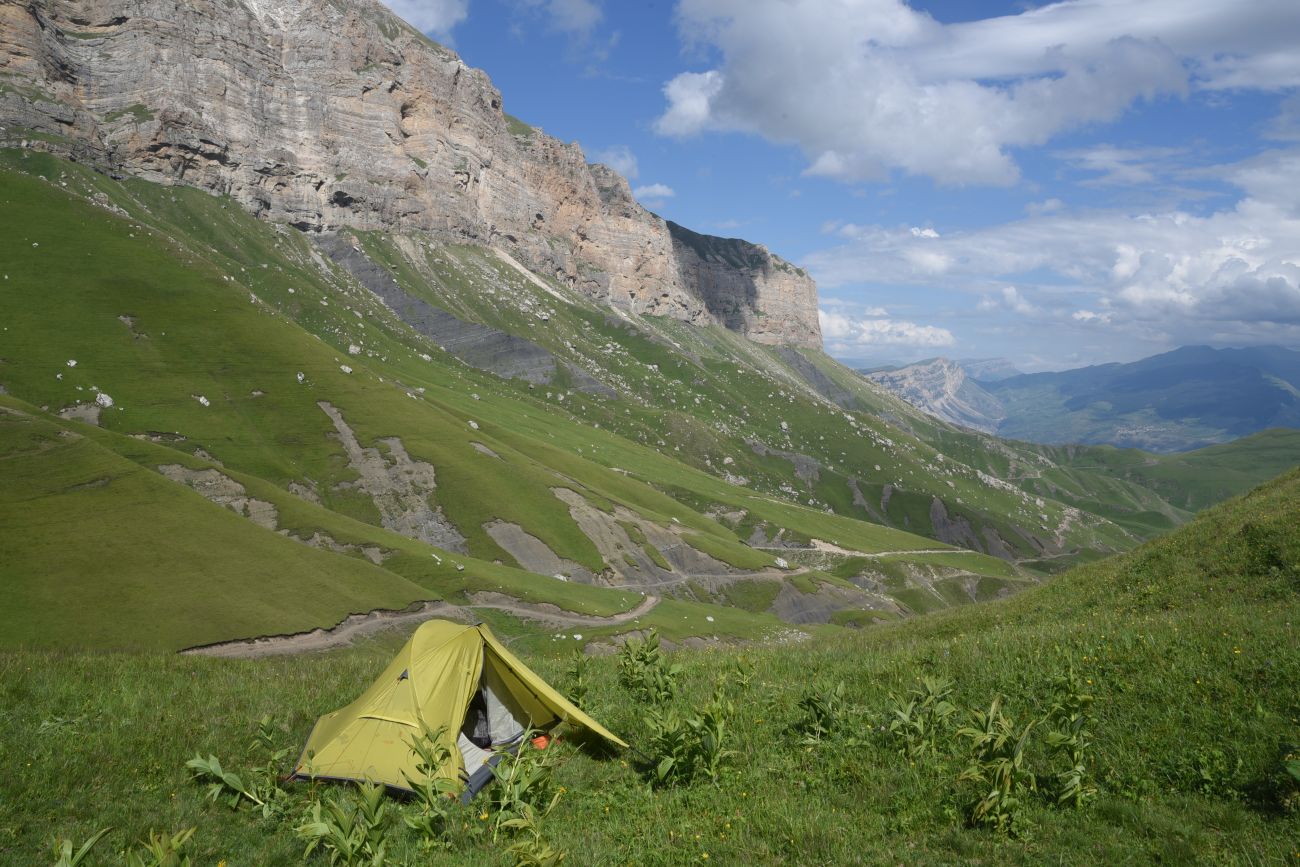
547	613
356	626
835	549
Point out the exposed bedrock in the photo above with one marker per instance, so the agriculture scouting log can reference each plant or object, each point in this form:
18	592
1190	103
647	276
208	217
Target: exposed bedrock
329	115
398	485
481	346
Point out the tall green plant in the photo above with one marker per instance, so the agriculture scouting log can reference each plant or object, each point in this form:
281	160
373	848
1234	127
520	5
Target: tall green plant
823	711
644	671
525	791
997	766
62	849
917	720
433	792
578	679
349	827
260	787
160	850
687	748
1068	740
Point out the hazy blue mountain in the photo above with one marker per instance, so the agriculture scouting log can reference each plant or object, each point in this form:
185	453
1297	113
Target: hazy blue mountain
1184	399
989	369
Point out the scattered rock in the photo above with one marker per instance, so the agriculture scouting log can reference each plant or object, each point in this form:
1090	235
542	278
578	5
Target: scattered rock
87	412
224	491
399	487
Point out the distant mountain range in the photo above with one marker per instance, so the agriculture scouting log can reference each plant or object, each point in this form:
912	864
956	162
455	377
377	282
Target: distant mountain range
1184	399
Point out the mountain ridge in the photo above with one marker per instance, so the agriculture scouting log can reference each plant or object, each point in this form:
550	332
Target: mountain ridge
1185	399
343	116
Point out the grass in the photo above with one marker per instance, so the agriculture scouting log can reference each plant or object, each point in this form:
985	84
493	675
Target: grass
138	112
751	595
83	565
1187	646
520	129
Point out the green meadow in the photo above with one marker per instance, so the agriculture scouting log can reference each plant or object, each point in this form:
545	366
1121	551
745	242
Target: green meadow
1179	658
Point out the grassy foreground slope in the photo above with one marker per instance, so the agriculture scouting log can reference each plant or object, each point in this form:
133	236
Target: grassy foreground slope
1187	646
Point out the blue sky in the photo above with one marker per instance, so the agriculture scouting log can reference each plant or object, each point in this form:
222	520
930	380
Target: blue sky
1058	184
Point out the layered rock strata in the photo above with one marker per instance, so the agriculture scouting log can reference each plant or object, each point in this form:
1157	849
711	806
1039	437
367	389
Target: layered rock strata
331	115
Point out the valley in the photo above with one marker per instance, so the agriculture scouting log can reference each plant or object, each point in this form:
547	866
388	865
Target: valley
306	341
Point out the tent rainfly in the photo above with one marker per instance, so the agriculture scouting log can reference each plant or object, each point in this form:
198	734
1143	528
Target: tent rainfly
449	676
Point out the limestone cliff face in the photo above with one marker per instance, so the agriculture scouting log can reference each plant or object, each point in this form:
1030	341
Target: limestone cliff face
330	114
748	289
942	388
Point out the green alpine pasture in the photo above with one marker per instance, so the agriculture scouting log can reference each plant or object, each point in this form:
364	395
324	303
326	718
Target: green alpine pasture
1150	701
206	339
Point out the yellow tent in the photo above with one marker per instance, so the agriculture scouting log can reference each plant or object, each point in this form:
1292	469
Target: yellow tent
450	676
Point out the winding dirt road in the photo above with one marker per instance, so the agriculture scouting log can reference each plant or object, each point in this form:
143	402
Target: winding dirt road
356	626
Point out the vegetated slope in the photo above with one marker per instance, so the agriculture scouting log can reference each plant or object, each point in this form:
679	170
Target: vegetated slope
1196	479
793	423
1185	648
190	571
1185	399
481	409
170	316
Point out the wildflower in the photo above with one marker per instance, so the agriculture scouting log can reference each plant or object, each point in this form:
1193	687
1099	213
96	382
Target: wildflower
483	815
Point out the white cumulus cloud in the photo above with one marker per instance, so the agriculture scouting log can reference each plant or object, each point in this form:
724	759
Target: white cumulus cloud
847	334
865	87
619	158
654	192
436	17
1227	276
575	17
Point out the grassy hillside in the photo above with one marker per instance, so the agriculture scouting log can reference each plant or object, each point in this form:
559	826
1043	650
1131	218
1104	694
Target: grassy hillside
219	352
185	571
1180	658
201	339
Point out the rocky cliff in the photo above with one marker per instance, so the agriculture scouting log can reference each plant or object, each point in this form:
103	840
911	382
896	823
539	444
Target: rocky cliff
338	114
942	388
